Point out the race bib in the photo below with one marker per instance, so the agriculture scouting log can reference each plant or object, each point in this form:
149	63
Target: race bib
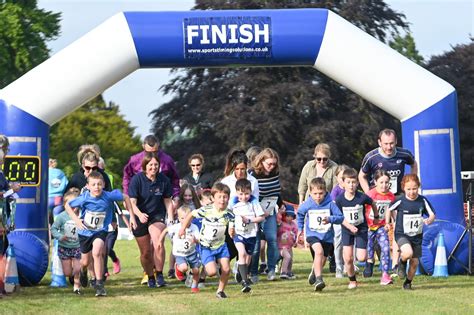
94	220
316	220
412	224
393	185
382	206
213	232
70	231
183	246
245	229
354	214
268	204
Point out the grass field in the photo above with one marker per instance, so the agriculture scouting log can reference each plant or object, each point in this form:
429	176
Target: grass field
454	295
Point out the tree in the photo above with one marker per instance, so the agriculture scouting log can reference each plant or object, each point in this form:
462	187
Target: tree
95	122
457	68
406	46
24	31
288	109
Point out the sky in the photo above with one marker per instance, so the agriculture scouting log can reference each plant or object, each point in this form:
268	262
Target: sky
436	25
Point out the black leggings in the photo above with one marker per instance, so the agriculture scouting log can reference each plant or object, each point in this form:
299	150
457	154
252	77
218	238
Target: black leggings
109	248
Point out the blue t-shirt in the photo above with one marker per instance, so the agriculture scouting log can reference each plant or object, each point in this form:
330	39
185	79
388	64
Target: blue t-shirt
409	221
394	165
96	212
354	210
150	195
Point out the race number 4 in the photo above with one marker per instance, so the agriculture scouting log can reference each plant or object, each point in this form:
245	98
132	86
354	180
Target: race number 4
412	224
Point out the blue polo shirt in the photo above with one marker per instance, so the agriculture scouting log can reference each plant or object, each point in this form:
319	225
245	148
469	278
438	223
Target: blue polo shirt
150	195
96	212
394	165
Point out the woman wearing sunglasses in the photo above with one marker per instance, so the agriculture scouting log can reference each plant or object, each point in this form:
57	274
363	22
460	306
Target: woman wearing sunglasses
88	158
322	166
197	178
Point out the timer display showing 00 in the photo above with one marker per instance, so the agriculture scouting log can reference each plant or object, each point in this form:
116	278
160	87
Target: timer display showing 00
24	170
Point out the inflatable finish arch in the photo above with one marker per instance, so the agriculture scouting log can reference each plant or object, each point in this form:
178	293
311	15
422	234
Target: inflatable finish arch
317	38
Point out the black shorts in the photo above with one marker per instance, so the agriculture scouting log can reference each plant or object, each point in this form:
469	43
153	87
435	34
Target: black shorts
86	241
415	245
327	247
360	238
142	228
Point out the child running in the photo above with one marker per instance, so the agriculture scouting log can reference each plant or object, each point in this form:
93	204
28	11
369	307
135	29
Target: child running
216	219
184	248
354	230
248	213
382	197
65	231
286	238
96	211
317	215
409	209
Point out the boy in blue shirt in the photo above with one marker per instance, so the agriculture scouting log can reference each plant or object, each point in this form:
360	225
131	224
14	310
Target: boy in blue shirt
95	215
317	215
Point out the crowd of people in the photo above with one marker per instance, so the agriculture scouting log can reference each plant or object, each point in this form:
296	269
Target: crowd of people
242	216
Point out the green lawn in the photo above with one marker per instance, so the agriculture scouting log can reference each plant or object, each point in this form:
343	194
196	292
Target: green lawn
126	296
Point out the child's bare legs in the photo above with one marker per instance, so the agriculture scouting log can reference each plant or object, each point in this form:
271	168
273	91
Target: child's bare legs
319	259
225	271
76	268
348	253
183	267
243	262
211	269
98	251
263	247
195	272
286	253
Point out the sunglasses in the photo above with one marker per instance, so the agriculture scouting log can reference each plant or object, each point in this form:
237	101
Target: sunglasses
91	168
324	159
194	165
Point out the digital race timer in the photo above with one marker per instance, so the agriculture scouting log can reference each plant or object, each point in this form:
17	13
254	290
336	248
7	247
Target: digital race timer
22	169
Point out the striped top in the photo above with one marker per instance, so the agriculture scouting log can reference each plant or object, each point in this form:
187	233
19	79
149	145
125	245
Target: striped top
268	185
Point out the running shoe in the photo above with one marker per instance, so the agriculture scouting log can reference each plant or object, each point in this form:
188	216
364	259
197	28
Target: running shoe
221	295
262	270
83	277
171	274
179	275
368	270
195	290
386	279
144	279
339	274
92	283
160	281
151	283
394	272
271	275
77	291
352	285
201	283
291	276
254	279
319	285
100	290
246	287
312	277
117	267
407	286
284	275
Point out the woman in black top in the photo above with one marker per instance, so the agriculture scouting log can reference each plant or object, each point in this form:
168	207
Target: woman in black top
197	178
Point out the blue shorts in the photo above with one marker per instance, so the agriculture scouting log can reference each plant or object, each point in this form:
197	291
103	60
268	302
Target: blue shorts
192	260
209	255
249	243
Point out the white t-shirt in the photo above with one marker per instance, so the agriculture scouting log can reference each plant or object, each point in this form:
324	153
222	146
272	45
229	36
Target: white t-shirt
184	246
249	210
231	180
